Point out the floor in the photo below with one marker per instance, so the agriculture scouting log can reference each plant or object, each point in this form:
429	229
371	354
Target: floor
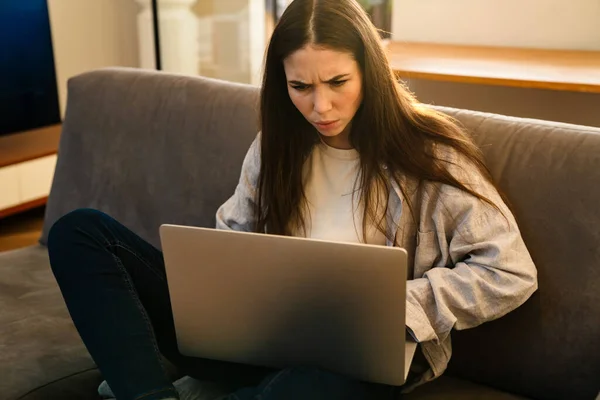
21	230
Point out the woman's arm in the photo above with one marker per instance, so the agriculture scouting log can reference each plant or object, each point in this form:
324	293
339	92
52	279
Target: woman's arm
479	268
237	213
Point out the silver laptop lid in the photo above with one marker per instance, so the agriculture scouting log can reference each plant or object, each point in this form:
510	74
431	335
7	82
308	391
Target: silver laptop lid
281	301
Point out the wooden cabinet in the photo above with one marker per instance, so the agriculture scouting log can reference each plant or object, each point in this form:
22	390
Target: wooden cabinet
566	70
9	187
27	163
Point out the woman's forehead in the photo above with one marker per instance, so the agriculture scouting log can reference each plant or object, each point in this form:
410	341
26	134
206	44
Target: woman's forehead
322	62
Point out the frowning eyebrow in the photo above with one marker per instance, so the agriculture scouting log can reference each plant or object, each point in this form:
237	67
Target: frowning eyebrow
334	79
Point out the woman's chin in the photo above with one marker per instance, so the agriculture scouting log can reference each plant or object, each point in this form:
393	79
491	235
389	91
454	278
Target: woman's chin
331	132
328	134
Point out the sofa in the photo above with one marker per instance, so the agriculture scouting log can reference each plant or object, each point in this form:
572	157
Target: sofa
151	148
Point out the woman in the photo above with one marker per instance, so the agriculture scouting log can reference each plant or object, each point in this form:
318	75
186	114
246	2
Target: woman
347	154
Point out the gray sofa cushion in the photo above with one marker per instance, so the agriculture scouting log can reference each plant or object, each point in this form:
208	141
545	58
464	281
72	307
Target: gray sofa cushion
449	388
79	386
38	342
550	347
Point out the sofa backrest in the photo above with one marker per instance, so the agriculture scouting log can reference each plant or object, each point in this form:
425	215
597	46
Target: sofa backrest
151	148
550	347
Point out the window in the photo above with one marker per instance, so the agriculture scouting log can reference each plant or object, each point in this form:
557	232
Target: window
380	12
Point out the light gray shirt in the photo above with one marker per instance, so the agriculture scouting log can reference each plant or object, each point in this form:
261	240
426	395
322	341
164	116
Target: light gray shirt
468	263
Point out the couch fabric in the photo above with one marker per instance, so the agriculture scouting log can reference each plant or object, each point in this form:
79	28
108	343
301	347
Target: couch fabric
152	148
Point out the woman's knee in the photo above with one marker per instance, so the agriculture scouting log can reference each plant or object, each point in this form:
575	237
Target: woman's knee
70	229
71	223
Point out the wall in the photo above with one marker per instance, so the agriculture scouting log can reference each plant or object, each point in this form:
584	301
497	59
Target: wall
569	107
91	34
560	24
233	39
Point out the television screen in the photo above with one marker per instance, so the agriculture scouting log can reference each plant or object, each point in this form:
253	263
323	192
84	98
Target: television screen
28	91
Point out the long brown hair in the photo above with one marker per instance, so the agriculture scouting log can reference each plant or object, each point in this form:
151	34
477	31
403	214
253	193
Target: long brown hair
390	129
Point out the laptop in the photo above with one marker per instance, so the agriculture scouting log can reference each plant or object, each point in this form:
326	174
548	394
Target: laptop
281	301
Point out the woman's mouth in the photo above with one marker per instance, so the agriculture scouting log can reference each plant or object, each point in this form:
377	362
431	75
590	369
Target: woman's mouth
326	125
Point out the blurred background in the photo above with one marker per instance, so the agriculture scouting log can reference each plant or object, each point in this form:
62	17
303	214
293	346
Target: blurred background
226	39
535	59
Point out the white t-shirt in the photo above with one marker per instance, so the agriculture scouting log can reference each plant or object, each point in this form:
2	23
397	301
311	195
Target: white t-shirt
334	211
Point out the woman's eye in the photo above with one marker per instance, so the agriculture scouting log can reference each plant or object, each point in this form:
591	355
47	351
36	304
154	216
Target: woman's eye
338	83
300	87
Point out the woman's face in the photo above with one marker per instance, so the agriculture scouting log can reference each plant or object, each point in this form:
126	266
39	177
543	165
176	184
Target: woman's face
326	87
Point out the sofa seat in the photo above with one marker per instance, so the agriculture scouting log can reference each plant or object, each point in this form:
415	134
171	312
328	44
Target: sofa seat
42	356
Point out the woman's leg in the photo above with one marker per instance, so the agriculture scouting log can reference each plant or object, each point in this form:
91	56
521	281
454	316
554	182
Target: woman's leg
115	288
314	384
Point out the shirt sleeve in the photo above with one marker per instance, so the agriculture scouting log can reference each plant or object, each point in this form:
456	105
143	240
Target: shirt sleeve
237	213
480	268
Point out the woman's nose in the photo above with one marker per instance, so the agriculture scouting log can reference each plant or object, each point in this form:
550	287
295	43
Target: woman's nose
321	101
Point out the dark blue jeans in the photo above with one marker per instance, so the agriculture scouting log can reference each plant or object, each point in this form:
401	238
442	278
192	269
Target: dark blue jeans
115	288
